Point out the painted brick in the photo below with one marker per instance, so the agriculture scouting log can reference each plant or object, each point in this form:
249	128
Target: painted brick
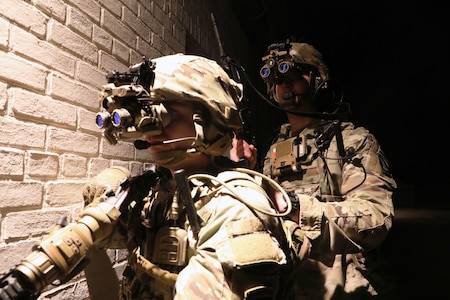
114	7
15	133
157	11
30	223
96	165
42	165
121	255
26	16
144	47
20	72
74	91
133	5
54	8
62	140
44	53
101	38
74	166
62	36
80	23
120	51
4	33
59	194
89	7
142	155
158	44
28	106
91	75
153	23
136	168
161	4
122	150
12	162
18	195
109	62
11	254
120	163
3	88
137	25
118	29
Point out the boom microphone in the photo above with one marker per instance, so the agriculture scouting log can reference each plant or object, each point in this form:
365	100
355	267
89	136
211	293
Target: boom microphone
290	95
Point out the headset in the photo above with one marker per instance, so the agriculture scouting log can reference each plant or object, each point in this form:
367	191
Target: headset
281	62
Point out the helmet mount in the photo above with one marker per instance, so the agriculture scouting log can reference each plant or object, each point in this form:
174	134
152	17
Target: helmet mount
134	103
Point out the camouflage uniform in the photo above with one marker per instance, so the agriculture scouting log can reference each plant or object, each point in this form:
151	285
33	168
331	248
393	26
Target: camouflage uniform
239	252
345	213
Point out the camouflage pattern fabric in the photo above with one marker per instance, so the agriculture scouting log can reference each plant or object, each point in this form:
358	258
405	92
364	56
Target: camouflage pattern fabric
181	77
239	250
345	215
303	53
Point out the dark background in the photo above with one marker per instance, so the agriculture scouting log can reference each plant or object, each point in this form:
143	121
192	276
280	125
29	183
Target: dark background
390	58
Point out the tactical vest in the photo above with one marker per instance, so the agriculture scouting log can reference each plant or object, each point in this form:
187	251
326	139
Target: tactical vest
303	166
158	243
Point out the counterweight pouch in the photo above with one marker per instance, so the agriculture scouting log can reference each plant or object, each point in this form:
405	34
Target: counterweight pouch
170	246
170	243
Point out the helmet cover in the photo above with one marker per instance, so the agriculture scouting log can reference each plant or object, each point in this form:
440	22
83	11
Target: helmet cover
193	78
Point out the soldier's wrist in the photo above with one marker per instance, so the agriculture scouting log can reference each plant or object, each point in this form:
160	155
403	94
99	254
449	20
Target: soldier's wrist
295	205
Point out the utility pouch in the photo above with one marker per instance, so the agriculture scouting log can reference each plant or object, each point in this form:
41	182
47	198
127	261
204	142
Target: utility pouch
287	155
170	246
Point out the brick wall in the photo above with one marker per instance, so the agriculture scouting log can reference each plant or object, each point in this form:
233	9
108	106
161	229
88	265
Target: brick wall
53	58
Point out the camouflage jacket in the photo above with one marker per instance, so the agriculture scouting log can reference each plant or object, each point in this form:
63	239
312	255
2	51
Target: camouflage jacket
239	249
346	208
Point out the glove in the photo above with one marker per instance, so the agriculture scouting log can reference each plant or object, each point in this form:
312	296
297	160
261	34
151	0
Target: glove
297	236
106	180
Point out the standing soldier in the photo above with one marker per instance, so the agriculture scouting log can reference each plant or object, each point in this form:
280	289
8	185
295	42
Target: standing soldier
337	177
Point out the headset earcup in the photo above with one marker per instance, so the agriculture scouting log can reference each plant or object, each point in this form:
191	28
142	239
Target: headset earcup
273	94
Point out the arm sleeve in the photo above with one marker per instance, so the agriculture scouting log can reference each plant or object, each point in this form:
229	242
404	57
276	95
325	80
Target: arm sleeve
362	220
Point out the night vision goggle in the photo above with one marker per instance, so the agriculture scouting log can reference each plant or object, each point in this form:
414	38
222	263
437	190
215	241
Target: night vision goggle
275	65
279	64
127	110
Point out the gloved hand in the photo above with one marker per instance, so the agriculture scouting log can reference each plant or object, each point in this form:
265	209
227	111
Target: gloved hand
297	236
108	179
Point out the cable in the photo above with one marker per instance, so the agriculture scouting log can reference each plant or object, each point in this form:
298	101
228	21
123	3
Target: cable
325	116
241	199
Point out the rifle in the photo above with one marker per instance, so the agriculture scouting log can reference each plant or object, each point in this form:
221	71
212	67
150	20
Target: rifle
235	71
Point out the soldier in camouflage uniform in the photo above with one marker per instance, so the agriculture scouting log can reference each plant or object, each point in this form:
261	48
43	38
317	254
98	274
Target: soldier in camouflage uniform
337	177
239	246
196	227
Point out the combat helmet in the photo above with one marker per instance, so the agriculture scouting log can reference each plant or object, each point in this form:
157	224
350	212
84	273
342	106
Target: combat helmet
306	55
284	58
148	86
